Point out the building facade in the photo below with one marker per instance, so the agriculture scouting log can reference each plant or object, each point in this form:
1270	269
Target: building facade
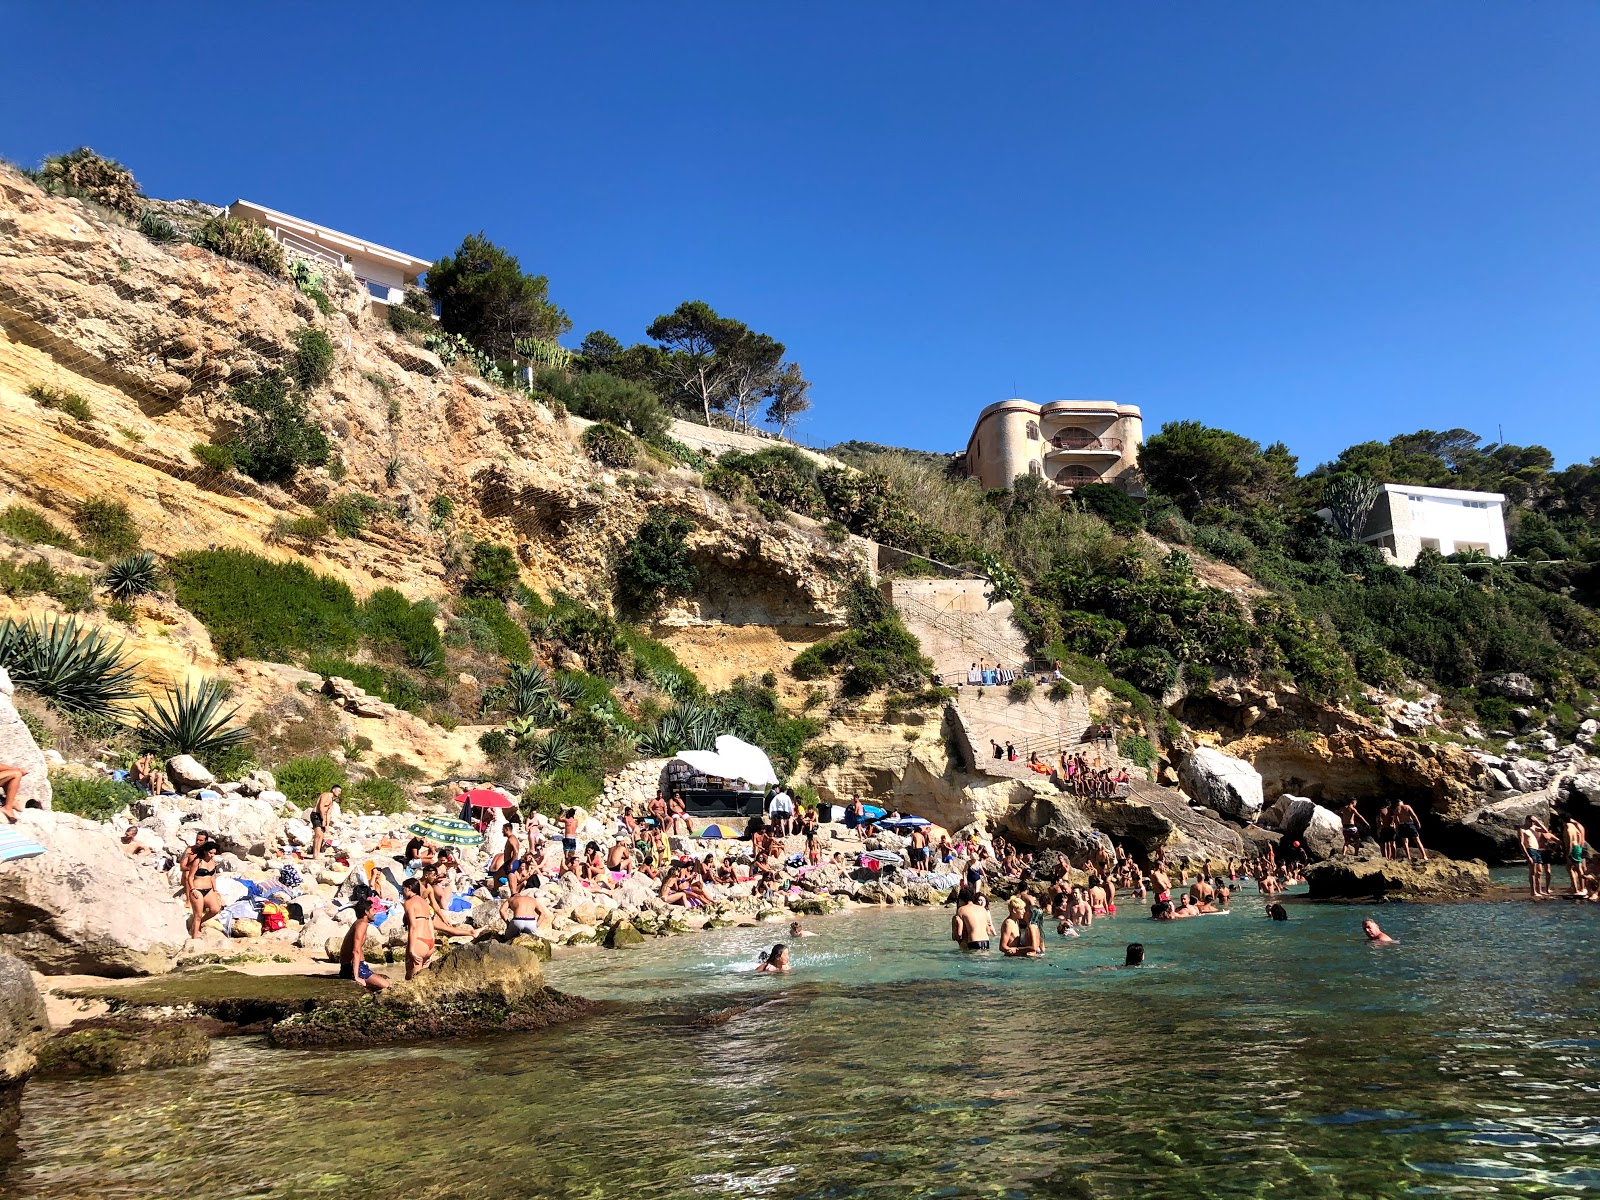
383	272
1067	442
1406	520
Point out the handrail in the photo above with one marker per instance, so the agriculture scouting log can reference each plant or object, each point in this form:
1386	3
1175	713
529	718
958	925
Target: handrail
1086	443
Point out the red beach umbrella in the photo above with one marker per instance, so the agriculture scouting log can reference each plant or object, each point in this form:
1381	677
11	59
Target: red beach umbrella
484	798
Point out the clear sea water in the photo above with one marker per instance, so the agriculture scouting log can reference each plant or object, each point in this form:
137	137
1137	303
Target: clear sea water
1249	1059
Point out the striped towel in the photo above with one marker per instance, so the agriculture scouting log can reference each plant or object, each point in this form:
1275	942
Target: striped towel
14	845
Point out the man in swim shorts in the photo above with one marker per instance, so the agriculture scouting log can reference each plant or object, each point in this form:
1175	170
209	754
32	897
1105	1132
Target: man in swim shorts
321	811
522	914
971	928
352	964
1353	821
1575	841
1528	839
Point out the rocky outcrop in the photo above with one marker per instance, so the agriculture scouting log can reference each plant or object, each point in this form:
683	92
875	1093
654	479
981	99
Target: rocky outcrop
1440	779
1319	830
18	749
486	987
1389	879
188	774
83	906
24	1027
1153	817
1489	831
117	1045
1217	780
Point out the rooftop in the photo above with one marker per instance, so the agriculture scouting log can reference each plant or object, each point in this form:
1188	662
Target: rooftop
410	263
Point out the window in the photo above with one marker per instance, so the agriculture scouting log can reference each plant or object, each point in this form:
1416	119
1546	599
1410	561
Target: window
1033	431
1034	468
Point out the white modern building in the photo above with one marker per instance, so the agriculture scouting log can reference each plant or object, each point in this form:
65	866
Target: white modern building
1407	519
385	273
1068	442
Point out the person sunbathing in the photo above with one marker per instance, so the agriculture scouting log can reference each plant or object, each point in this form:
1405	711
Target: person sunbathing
11	778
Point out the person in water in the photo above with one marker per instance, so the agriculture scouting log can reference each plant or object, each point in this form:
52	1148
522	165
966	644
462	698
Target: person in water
971	928
1135	955
1019	936
774	961
796	930
1277	912
1375	935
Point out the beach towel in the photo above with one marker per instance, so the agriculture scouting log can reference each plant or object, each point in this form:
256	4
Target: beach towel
15	847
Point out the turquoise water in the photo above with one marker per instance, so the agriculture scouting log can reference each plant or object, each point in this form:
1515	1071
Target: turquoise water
1249	1059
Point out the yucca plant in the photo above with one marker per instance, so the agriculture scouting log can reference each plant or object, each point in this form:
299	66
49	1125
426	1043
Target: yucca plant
77	670
551	752
132	576
191	720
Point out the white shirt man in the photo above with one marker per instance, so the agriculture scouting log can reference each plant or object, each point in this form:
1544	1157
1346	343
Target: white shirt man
780	809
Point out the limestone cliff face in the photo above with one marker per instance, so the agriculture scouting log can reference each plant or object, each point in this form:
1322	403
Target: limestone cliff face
1333	768
153	335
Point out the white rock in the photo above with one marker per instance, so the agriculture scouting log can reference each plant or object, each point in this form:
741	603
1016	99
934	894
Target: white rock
1217	780
187	774
18	749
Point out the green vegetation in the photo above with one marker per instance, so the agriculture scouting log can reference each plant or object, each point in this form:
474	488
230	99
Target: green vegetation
106	528
132	576
31	526
310	283
1137	750
440	509
276	437
306	530
610	446
302	780
74	405
191	720
21	580
87	176
243	242
483	623
79	671
493	571
600	396
377	795
656	564
96	798
257	608
484	295
157	228
348	514
876	652
312	365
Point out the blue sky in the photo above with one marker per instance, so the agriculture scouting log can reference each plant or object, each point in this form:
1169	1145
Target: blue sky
1320	223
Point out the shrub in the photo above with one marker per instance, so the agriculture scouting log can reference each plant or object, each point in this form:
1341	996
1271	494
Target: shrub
132	576
256	608
494	571
494	743
310	284
28	525
561	791
610	446
440	509
313	358
302	780
1061	690
389	619
377	795
507	638
277	436
1137	750
157	228
105	527
308	530
836	533
877	651
601	397
191	720
75	592
347	515
86	175
80	671
242	242
1020	689
97	798
214	457
656	564
74	405
403	320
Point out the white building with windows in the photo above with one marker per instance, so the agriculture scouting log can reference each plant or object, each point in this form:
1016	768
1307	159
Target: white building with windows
384	273
1407	519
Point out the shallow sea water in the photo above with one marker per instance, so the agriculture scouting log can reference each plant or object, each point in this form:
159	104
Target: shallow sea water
1249	1059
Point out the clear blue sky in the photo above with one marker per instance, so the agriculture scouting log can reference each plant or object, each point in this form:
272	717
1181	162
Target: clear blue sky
1315	222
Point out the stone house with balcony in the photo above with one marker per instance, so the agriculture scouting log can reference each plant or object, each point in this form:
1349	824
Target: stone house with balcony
1068	442
385	274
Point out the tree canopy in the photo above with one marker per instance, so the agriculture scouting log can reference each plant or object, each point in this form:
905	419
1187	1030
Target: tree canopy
485	296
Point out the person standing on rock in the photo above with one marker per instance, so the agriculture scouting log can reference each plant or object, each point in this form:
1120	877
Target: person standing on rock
1408	831
200	886
780	810
1353	821
1528	839
1386	830
11	780
352	965
1575	841
321	814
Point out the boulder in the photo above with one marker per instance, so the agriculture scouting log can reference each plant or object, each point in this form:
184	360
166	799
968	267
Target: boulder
1217	780
1153	817
187	773
24	1027
246	927
1490	830
85	907
116	1045
1319	830
1394	879
499	970
18	749
1513	685
258	781
622	935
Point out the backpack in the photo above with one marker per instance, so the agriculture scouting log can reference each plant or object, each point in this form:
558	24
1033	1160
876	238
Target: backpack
273	916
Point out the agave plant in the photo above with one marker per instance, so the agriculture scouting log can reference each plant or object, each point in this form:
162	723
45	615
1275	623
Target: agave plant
191	720
700	725
551	752
77	670
424	658
132	576
671	681
567	689
663	739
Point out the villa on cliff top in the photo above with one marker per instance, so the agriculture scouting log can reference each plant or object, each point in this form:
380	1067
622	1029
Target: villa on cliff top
385	273
1068	442
1407	519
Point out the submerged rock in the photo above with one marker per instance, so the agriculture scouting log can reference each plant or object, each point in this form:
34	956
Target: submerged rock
23	1023
1389	879
116	1045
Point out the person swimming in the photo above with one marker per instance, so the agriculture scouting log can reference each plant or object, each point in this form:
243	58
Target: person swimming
1375	935
774	961
1135	955
1277	912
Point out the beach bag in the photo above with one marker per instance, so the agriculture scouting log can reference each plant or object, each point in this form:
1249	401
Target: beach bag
273	917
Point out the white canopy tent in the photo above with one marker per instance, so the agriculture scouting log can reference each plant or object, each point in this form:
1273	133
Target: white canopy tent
733	759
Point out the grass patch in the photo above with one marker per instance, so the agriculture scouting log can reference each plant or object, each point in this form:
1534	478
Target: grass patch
483	623
31	526
74	405
97	799
106	528
256	608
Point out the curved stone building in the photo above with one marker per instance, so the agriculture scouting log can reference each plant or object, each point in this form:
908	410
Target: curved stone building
1068	442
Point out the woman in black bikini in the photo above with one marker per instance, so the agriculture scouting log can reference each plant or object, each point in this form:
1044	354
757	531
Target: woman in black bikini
200	888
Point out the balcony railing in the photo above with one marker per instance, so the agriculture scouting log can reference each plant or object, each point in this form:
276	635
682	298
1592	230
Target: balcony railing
1109	445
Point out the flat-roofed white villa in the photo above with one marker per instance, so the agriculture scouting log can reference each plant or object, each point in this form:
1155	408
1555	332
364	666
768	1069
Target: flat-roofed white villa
1407	519
385	273
1068	442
